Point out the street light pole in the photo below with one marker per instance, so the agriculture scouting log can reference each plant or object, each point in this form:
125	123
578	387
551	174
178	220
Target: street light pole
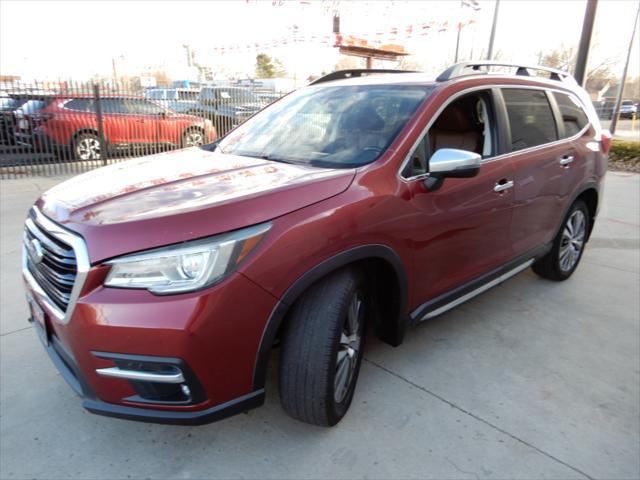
585	42
616	109
493	30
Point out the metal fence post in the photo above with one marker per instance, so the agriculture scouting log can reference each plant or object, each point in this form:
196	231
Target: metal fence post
103	145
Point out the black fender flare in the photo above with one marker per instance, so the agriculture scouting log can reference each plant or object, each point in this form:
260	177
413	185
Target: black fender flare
352	255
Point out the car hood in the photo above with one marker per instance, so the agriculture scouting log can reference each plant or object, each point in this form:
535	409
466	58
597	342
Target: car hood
182	195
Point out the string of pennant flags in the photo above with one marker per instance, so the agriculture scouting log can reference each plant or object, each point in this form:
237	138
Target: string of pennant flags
335	39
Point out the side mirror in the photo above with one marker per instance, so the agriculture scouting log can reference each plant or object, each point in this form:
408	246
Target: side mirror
451	163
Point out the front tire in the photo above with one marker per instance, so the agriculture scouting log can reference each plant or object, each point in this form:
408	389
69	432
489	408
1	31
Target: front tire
322	349
568	246
87	146
194	137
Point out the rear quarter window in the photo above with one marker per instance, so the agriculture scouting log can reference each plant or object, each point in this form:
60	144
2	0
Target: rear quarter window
574	118
530	118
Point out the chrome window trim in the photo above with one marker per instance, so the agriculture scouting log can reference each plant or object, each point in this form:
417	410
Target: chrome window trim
77	243
504	155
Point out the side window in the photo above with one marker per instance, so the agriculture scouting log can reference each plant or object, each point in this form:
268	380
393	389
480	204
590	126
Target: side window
530	117
79	104
113	105
187	95
468	123
573	116
142	107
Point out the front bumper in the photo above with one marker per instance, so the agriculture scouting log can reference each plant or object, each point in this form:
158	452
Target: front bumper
203	344
65	363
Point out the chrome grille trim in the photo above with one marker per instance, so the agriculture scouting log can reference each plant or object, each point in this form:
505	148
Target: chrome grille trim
60	258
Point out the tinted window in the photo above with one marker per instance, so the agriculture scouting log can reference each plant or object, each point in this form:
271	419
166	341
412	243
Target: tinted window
113	105
142	107
32	106
8	103
573	116
186	95
342	126
156	94
79	104
530	117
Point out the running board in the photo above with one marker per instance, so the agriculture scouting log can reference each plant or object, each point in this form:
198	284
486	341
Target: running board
482	288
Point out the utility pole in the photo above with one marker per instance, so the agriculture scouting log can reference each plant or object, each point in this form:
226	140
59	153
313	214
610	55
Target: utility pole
455	60
616	109
493	30
585	42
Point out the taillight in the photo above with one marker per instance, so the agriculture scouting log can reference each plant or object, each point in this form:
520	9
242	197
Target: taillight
605	141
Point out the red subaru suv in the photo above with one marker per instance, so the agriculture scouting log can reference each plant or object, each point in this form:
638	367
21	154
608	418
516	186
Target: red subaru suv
61	124
160	285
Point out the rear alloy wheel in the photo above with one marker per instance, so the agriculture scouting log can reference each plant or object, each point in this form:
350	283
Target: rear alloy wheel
87	147
568	246
193	138
322	349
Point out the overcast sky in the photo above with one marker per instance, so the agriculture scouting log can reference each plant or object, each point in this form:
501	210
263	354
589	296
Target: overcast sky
73	39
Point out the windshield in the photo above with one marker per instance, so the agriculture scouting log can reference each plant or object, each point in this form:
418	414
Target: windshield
342	126
32	106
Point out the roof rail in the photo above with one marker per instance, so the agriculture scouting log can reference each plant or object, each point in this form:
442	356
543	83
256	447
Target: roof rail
342	74
460	69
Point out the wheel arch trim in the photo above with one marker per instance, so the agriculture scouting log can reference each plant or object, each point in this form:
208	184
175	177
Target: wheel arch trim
327	266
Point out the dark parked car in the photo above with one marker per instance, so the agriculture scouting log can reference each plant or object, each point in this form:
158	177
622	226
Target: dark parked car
160	286
180	100
227	107
628	109
62	123
8	105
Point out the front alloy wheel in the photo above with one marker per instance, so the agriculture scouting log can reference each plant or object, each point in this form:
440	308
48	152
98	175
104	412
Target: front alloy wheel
349	349
193	138
87	147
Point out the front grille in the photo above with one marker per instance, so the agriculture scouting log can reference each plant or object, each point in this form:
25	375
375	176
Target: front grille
51	262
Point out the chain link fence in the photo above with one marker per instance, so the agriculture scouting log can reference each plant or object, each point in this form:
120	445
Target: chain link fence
71	127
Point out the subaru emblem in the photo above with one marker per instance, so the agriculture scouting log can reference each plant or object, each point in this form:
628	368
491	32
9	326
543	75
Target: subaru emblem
35	249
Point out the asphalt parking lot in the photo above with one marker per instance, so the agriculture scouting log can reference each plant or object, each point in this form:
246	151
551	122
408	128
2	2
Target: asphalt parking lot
533	379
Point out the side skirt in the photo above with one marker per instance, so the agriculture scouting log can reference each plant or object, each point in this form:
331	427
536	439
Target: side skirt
453	298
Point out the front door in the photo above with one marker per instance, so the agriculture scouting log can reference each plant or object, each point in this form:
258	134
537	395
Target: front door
461	230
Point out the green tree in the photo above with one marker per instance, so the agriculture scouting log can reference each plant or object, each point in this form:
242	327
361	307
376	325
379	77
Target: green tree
266	67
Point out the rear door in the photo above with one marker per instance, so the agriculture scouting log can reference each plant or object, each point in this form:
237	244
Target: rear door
145	117
539	159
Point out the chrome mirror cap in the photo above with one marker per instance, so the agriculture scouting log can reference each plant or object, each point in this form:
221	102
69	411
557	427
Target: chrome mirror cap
452	162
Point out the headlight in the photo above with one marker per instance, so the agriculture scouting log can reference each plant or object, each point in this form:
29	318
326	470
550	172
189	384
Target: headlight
185	267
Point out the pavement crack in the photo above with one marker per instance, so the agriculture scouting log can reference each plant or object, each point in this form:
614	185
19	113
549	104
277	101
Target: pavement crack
461	470
480	419
14	331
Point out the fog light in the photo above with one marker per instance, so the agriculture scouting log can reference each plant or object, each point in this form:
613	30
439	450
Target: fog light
185	390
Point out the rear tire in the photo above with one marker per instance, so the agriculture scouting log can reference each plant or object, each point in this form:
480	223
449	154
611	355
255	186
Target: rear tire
568	246
322	349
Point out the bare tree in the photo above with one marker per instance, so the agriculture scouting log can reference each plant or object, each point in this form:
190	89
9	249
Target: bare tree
599	76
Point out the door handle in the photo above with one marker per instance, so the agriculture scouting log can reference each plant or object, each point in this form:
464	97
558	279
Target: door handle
503	185
566	160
